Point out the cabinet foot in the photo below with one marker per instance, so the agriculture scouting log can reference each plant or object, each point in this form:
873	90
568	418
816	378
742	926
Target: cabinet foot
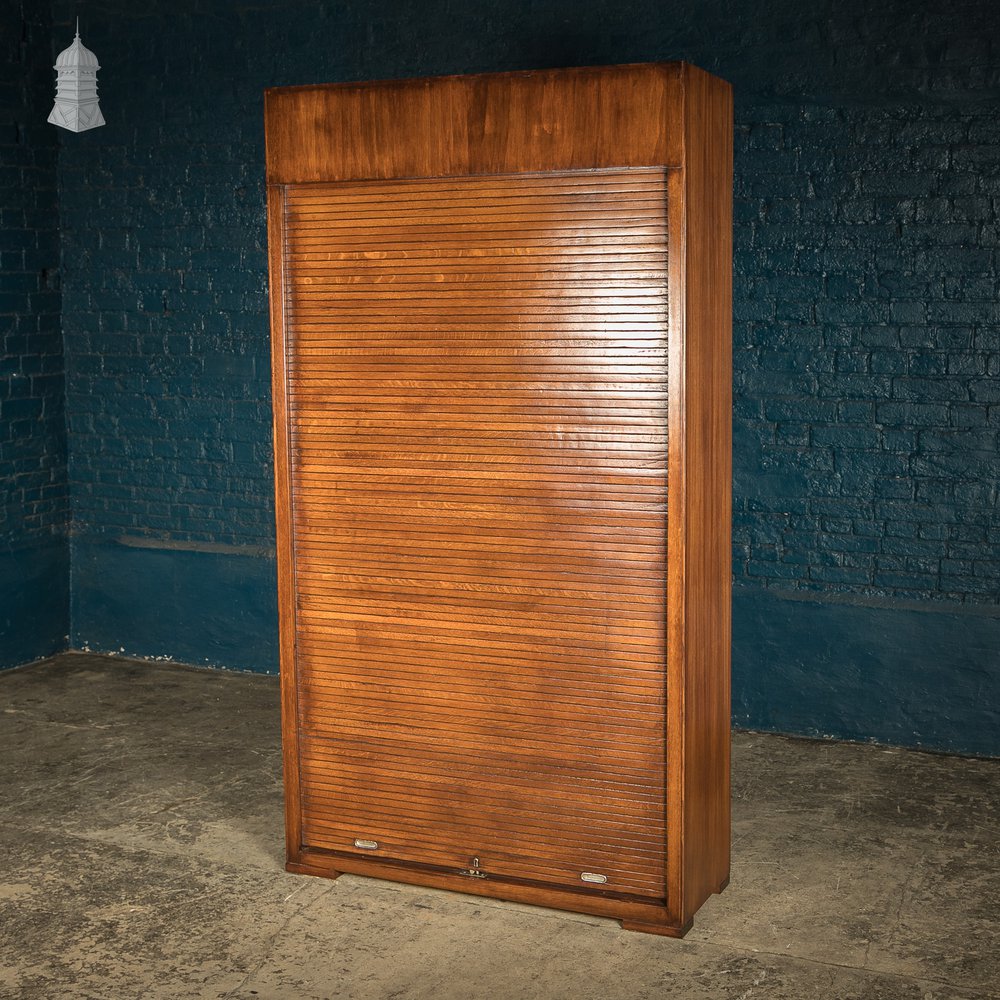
322	871
665	930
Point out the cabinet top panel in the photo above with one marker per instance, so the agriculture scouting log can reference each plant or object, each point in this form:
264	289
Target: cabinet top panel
562	119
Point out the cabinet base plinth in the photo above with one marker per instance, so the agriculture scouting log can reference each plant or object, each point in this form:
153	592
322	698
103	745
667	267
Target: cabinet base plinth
651	916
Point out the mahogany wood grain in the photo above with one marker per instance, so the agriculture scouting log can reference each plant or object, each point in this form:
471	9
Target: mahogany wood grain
285	548
708	203
490	124
521	818
500	311
700	473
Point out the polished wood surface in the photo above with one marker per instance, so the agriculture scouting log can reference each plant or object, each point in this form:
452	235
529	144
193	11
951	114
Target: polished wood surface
446	712
494	123
700	476
707	444
285	549
501	343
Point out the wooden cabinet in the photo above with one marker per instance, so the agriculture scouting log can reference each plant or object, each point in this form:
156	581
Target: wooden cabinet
501	355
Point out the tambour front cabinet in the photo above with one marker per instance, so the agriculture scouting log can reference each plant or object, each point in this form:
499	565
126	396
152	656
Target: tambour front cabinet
502	368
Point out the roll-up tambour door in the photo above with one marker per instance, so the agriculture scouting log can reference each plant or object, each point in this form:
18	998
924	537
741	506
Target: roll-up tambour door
477	397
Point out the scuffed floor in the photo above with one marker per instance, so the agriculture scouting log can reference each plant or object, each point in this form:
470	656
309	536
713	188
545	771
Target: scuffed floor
141	856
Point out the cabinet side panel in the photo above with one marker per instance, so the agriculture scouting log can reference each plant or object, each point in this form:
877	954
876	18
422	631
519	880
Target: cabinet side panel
708	430
283	517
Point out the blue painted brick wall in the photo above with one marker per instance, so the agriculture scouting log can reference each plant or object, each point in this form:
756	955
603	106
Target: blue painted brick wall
32	434
867	333
867	383
165	311
867	316
34	498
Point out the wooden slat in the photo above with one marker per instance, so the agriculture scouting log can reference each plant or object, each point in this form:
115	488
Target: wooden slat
573	671
464	682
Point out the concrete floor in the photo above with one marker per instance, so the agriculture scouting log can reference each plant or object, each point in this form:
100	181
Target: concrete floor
141	856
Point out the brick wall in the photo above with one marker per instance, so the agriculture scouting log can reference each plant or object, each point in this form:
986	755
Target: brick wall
867	399
867	402
32	434
33	502
868	350
165	306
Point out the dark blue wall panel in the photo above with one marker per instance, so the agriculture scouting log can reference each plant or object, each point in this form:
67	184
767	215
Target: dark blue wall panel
867	383
34	601
212	608
34	576
909	674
